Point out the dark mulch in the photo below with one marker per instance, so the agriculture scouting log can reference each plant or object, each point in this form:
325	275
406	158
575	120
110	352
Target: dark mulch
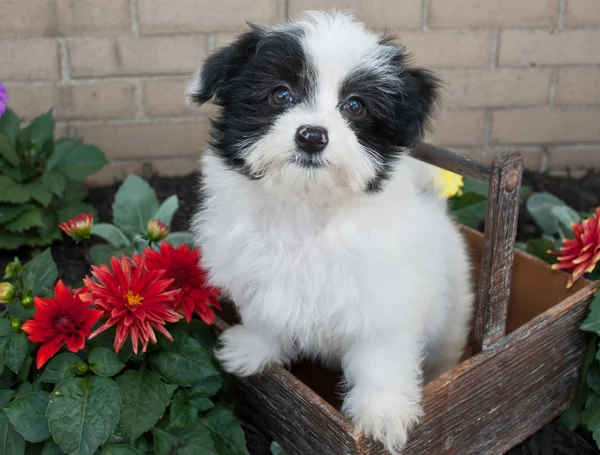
582	193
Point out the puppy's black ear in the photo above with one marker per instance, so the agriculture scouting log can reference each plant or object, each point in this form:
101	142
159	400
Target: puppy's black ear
416	104
211	81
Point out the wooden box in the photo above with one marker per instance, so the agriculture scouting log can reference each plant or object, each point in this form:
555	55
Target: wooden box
520	371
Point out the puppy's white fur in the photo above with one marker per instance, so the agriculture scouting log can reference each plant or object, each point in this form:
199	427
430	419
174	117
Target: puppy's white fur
375	283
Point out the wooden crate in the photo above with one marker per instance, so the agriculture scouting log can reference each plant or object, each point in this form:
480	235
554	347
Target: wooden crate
519	373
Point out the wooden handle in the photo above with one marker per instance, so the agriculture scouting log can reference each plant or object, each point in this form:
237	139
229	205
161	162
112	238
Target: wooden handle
504	184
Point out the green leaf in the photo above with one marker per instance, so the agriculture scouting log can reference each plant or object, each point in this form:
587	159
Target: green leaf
10	124
467	199
591	414
194	440
471	215
185	361
182	413
141	445
226	431
74	192
83	413
62	147
104	362
11	191
202	403
81	161
23	373
539	248
11	211
54	181
5	396
11	442
592	322
101	254
10	240
593	377
143	401
41	272
179	238
167	210
15	351
39	193
118	449
208	386
61	368
40	130
135	204
8	150
5	328
111	234
540	206
52	448
201	332
276	449
73	209
26	220
28	415
564	216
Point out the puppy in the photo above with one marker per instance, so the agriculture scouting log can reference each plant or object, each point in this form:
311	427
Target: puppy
316	223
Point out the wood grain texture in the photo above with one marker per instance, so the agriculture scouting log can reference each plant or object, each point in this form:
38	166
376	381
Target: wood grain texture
498	254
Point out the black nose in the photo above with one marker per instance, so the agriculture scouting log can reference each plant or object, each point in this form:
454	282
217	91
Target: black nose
311	138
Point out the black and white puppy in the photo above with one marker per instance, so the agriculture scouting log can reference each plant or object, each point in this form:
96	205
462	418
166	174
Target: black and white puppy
315	221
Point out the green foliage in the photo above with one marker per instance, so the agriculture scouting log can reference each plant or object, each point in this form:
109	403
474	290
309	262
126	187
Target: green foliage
40	180
134	206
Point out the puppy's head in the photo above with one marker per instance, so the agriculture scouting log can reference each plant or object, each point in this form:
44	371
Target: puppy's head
316	106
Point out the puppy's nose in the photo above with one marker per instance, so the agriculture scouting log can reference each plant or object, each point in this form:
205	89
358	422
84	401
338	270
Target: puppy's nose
311	139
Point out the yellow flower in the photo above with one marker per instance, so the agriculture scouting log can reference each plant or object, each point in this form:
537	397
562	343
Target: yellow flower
448	184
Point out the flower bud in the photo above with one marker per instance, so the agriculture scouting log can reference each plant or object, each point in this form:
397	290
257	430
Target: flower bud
7	292
156	231
13	269
27	301
82	368
78	228
15	324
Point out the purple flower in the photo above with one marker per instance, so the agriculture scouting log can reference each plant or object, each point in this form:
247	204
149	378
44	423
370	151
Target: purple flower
3	98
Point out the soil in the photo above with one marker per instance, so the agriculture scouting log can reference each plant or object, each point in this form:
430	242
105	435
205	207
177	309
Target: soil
580	192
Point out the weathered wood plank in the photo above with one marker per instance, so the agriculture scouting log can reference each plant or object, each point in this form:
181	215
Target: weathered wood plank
498	252
450	161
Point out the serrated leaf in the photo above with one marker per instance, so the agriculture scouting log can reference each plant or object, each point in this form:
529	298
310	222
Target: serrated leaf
201	332
135	204
5	328
52	448
180	238
111	234
39	131
194	440
185	361
226	431
55	181
11	191
61	368
83	413
10	241
11	442
62	147
74	192
143	401
36	239
23	373
81	161
141	445
8	150
15	351
11	211
208	386
101	254
104	362
591	414
28	415
5	396
26	220
167	210
39	193
41	272
182	413
118	449
10	124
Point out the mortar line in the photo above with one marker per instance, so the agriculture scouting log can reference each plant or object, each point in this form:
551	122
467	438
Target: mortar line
552	91
64	60
425	15
562	4
495	49
134	18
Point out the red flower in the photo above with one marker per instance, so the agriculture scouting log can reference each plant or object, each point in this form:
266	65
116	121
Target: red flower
64	319
183	267
134	299
79	227
583	252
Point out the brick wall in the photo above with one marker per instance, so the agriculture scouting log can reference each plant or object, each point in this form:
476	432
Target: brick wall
520	74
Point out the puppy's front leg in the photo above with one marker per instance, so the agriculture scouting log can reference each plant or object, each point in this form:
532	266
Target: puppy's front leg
384	379
243	350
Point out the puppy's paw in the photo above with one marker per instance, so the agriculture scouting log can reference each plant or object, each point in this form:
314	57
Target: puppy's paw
384	419
243	353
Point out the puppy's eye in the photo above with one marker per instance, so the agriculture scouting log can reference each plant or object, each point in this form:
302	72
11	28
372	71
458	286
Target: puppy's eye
354	107
282	96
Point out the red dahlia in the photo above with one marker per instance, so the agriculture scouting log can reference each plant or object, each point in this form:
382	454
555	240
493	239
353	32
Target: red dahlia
65	319
134	299
583	252
183	267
